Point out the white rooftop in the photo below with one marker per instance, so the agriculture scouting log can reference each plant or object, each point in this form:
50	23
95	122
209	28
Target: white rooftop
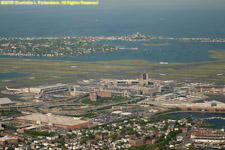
117	112
52	86
205	104
53	119
5	100
126	114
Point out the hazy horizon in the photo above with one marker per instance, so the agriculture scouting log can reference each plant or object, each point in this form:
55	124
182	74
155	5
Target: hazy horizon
175	18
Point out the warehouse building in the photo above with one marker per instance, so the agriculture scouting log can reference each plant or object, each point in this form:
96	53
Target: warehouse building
207	105
5	102
54	120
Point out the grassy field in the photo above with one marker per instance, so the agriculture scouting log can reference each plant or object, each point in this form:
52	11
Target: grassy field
48	71
51	71
218	54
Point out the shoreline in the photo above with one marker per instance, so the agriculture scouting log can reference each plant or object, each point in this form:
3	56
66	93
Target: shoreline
204	112
156	44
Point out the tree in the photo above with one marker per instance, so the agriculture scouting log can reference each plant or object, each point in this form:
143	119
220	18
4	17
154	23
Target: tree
105	148
91	136
191	147
83	140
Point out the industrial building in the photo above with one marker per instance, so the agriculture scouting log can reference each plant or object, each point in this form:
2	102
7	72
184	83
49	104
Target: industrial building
54	120
207	105
6	101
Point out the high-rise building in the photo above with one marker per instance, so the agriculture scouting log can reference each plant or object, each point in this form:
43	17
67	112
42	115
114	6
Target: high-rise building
93	95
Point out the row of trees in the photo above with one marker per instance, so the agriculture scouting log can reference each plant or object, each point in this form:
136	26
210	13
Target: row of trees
9	112
38	133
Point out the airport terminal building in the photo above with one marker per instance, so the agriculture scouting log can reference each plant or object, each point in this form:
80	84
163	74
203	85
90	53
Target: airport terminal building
50	89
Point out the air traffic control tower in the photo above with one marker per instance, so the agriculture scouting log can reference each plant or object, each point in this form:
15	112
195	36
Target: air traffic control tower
144	79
